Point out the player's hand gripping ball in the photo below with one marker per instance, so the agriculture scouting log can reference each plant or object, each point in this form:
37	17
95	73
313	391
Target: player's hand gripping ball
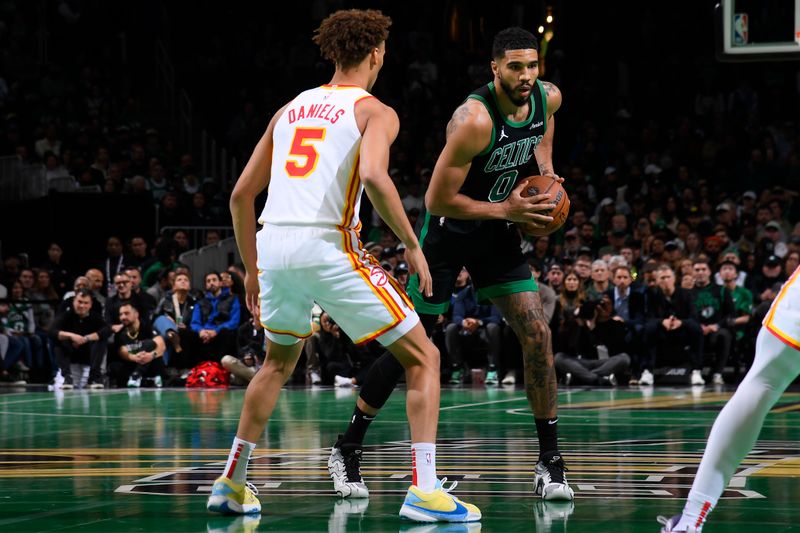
546	185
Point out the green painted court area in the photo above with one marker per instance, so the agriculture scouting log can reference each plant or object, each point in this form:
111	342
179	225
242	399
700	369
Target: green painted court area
144	460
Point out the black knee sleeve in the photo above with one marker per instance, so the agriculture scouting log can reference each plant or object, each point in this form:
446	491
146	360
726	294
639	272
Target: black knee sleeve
381	380
428	322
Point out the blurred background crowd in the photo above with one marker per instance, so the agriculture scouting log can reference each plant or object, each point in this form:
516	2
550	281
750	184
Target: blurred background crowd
682	172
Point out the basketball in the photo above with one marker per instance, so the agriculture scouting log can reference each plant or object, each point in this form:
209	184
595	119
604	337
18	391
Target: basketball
541	185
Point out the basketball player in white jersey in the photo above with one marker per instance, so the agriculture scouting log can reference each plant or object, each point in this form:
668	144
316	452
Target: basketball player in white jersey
776	365
318	153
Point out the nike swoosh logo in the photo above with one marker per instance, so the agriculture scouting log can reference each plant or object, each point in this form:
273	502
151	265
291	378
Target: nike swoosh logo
459	510
551	422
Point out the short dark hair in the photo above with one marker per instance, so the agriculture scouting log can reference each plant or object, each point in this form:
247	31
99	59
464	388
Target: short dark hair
625	268
348	36
83	292
514	38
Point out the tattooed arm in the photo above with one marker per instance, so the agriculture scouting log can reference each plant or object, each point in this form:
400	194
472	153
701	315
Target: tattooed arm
468	134
544	151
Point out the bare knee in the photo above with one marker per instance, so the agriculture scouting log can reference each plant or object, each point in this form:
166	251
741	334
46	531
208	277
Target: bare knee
428	358
278	368
431	358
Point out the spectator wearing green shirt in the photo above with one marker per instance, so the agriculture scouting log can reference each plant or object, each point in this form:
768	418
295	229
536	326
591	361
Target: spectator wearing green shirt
740	321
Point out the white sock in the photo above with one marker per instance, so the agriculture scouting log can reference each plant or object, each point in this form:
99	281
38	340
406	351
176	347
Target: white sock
236	469
737	427
696	510
423	465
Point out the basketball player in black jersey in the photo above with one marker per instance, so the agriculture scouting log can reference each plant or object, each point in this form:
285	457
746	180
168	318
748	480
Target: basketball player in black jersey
496	137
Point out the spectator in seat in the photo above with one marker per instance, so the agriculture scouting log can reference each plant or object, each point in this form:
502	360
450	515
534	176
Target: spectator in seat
181	239
629	308
20	361
173	315
232	281
555	277
11	353
20	322
138	351
124	295
599	280
166	256
113	264
672	322
583	266
401	274
134	273
600	357
250	354
44	292
28	279
81	282
329	353
473	323
763	284
169	209
212	237
564	324
214	322
59	276
166	278
80	343
139	255
97	286
742	298
49	143
714	311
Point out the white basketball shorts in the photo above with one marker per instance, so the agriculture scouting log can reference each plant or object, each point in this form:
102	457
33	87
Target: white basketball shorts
300	265
783	319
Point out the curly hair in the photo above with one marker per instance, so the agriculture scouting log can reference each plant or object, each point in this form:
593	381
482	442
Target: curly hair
347	36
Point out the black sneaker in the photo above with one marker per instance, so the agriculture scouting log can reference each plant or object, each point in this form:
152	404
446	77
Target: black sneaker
550	481
344	466
11	380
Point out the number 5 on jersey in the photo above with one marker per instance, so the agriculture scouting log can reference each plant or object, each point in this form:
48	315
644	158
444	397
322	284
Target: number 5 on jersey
304	152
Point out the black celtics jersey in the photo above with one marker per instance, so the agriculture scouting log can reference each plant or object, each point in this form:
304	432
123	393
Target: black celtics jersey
508	157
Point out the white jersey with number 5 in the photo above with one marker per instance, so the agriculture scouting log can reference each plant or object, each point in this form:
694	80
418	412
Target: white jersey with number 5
316	142
309	248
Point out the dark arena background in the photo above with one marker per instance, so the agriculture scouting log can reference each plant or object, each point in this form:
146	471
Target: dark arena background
125	125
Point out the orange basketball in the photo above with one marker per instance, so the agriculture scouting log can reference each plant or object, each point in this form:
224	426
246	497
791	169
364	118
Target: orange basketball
542	185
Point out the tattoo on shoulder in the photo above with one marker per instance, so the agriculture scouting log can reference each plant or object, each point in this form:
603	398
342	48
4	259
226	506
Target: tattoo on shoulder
460	116
549	88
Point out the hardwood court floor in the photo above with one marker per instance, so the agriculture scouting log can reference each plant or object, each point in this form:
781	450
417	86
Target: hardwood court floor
144	460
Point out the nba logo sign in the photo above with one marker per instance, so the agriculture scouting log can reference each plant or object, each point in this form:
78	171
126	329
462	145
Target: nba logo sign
740	25
428	458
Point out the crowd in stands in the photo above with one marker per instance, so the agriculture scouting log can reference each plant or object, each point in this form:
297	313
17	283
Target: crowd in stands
683	223
682	306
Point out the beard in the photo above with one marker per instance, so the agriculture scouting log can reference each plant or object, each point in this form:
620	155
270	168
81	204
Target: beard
518	101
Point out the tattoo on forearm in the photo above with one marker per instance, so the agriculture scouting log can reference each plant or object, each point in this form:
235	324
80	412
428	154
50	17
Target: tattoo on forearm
546	169
525	315
460	116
